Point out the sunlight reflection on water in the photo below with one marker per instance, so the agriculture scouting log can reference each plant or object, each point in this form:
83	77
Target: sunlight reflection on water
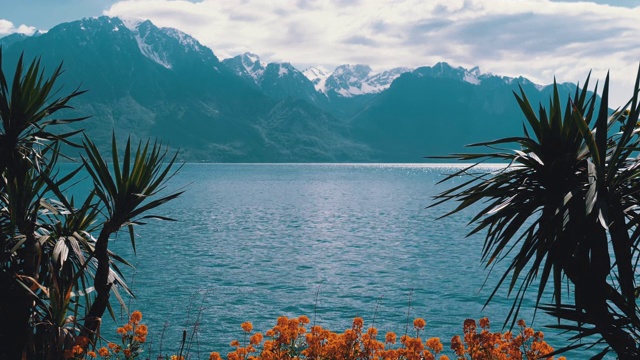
256	241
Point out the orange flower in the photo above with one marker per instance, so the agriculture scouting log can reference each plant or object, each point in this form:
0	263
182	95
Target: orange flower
390	338
142	329
121	331
127	352
235	343
247	326
484	322
457	346
136	316
255	339
303	319
419	323
140	339
435	344
427	355
521	323
82	341
358	322
528	332
469	325
92	354
443	357
77	349
103	351
215	356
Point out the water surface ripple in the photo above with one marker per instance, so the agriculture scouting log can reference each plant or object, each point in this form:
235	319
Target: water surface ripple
256	241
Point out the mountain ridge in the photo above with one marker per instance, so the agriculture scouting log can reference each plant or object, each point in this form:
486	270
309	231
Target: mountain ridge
160	82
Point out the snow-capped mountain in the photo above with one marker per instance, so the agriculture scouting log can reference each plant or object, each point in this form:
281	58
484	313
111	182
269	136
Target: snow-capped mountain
149	82
381	81
348	80
166	47
444	70
472	76
352	80
318	76
248	66
277	80
160	44
146	81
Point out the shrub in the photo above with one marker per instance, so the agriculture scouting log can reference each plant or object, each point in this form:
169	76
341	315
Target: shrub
291	339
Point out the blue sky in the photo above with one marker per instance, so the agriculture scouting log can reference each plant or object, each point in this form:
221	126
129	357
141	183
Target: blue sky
538	39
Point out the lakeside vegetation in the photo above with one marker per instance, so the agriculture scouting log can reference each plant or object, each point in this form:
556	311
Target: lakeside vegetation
290	339
566	207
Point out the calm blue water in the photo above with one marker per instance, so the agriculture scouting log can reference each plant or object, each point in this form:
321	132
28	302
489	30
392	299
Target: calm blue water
254	242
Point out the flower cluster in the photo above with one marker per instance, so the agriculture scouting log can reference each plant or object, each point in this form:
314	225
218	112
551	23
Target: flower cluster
290	339
526	344
133	335
77	350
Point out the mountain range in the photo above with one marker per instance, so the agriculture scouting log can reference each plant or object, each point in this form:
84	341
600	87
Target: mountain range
145	81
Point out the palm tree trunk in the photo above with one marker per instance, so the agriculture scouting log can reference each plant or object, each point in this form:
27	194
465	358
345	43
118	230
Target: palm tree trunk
15	311
102	286
591	289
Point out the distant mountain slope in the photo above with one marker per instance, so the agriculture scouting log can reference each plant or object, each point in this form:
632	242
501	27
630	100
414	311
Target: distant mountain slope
276	80
146	81
353	80
437	110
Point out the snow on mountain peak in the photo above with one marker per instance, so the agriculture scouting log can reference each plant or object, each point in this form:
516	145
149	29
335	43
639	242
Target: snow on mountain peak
251	58
472	76
131	23
152	41
252	65
313	73
351	80
283	70
443	70
318	76
142	33
184	39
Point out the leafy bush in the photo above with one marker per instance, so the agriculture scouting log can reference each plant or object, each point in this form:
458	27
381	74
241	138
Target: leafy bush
55	264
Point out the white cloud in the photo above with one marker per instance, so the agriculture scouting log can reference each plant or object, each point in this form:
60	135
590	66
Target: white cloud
538	39
7	27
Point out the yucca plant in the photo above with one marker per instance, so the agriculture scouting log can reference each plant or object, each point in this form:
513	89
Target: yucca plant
53	271
27	154
125	193
564	211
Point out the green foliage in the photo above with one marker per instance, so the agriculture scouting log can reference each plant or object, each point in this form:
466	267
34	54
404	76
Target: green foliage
52	268
564	212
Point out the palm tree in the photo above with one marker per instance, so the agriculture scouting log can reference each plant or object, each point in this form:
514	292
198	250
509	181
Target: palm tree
26	146
124	193
53	271
565	211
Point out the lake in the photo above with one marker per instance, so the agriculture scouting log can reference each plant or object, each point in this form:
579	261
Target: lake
330	241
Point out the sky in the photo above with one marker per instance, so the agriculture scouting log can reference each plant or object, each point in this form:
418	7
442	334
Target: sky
537	39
